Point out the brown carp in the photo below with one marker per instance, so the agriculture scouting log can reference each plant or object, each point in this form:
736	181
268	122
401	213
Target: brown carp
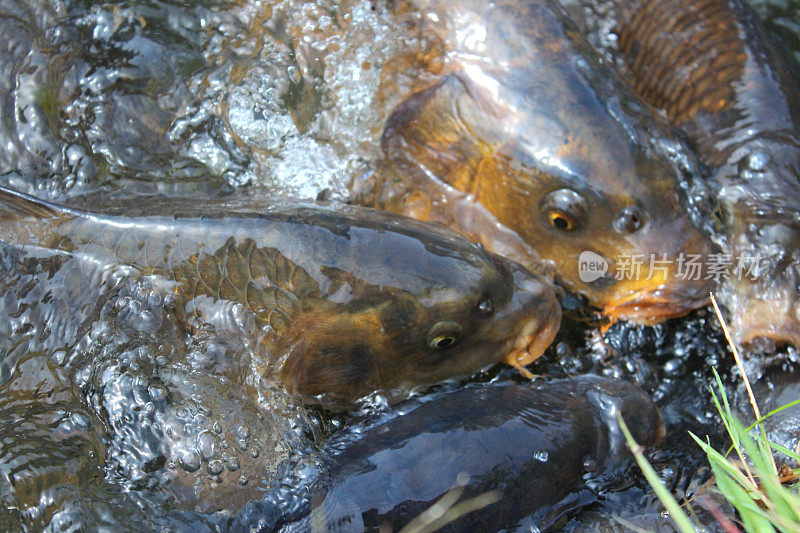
507	127
342	301
734	89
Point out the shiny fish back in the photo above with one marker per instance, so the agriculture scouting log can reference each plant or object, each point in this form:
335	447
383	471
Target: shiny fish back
198	259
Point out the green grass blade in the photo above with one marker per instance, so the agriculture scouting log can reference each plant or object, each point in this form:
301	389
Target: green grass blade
773	413
729	468
786	451
680	518
752	516
781	506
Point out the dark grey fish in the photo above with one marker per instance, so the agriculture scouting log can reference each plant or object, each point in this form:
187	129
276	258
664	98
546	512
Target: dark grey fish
513	451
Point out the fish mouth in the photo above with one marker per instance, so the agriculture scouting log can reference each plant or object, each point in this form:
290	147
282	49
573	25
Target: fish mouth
755	335
534	339
766	324
648	306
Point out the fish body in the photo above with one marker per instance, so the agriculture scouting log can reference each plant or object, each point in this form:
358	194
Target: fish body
519	449
506	126
734	89
343	301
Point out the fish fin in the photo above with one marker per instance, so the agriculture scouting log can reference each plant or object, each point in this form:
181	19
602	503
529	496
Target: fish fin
448	128
15	205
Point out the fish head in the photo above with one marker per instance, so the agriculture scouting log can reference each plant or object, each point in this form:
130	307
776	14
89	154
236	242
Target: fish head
760	230
443	308
626	241
599	202
615	399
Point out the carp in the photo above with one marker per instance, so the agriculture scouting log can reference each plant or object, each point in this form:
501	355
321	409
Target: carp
341	301
506	126
500	452
734	89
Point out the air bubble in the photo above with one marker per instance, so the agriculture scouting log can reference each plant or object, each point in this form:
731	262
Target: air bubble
207	443
154	300
170	300
135	306
189	461
757	162
157	393
215	467
673	367
232	463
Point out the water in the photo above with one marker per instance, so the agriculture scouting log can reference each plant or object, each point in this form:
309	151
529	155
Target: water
109	415
107	397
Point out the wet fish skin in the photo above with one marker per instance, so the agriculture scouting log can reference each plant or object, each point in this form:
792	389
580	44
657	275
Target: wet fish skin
344	301
506	109
734	89
529	446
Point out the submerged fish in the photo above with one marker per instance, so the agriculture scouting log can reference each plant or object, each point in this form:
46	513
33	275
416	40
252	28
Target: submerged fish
735	90
512	132
498	452
342	302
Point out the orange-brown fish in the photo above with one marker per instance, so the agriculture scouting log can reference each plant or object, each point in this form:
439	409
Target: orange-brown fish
342	301
734	89
508	128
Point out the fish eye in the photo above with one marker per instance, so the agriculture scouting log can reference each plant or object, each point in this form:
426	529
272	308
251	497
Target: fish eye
564	209
561	221
629	220
443	335
485	307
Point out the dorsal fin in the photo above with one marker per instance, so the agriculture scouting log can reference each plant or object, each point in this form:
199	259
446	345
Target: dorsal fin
15	205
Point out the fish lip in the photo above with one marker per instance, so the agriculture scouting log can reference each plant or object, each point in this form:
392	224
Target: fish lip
651	306
532	341
650	313
762	321
751	335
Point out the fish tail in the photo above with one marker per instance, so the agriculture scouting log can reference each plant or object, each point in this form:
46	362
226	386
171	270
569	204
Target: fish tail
16	205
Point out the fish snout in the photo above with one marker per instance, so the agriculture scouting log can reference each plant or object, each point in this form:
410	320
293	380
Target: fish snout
666	275
650	304
536	308
762	320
